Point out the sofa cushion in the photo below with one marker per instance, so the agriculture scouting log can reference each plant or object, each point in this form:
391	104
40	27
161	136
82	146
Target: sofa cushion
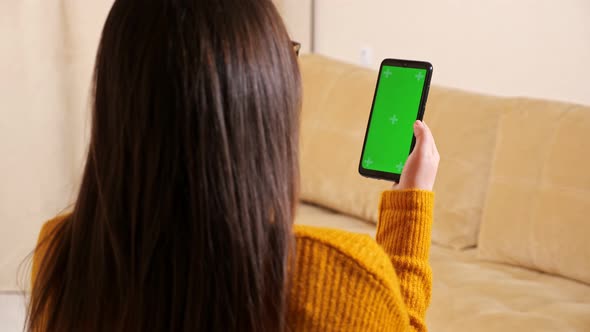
465	127
308	214
471	295
536	214
336	104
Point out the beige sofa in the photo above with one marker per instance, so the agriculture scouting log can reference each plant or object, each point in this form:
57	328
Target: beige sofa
511	238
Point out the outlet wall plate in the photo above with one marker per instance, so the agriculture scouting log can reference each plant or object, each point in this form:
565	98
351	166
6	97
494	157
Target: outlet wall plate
366	56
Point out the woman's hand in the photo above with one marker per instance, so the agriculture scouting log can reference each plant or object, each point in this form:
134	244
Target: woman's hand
422	165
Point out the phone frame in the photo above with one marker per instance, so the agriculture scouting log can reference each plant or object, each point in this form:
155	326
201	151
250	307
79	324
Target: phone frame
396	63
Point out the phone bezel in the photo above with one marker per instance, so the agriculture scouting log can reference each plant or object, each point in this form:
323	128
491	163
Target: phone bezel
396	63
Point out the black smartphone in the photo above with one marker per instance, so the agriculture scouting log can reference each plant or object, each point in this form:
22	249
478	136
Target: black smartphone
399	100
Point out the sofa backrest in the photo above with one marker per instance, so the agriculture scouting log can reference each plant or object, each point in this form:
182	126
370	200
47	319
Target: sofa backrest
517	167
336	104
538	201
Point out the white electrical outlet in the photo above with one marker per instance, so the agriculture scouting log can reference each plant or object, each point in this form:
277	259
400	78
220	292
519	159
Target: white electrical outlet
366	56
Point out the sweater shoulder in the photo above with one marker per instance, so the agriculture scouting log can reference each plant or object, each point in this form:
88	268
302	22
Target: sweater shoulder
51	225
358	251
43	242
343	282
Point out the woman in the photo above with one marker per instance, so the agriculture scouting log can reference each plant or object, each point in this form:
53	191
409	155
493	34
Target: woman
184	217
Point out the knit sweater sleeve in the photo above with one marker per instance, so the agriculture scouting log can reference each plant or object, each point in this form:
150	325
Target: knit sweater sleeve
404	232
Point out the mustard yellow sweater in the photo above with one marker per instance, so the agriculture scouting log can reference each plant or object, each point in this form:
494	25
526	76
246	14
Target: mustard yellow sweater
350	282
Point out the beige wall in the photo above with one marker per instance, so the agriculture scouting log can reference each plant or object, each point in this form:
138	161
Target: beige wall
296	14
47	53
537	48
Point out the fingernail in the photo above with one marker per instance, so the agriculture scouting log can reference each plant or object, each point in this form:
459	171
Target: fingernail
418	123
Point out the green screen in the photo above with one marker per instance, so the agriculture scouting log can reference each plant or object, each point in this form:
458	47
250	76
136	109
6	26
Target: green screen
396	107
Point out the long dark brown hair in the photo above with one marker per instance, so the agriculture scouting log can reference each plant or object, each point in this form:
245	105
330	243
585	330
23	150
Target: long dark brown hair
183	219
